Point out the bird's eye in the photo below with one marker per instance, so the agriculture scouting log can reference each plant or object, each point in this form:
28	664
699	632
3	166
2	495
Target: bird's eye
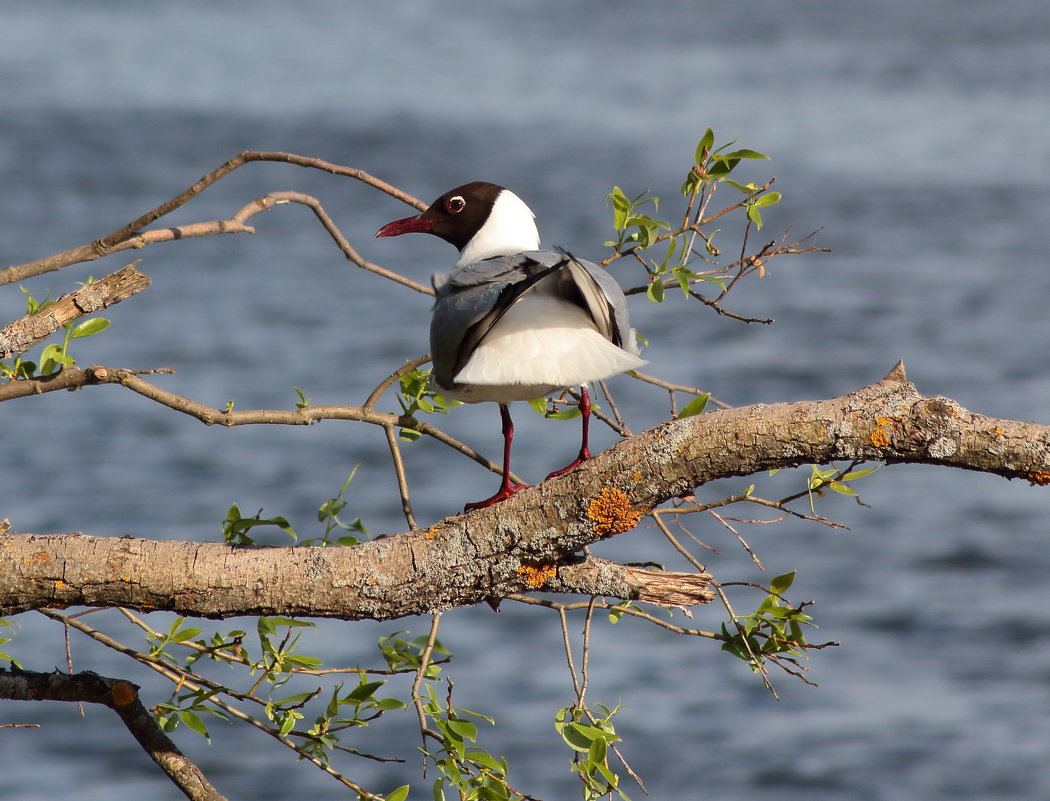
456	204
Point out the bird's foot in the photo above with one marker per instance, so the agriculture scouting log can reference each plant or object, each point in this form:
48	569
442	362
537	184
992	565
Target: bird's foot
583	457
505	492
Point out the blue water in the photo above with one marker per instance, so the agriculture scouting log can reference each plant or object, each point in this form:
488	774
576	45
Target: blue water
914	134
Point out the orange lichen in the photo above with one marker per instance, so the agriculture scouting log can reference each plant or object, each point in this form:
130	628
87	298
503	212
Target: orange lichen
123	693
1040	477
879	438
537	575
430	534
612	512
882	421
999	431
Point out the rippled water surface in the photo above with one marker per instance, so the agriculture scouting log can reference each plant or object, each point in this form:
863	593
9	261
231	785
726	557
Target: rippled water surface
913	134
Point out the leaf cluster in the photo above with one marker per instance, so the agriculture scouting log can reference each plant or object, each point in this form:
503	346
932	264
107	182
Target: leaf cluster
637	231
591	742
470	770
417	395
774	628
236	527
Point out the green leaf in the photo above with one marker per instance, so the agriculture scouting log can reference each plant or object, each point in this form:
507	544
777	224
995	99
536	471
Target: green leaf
617	611
291	622
288	723
400	794
52	356
754	215
293	700
722	166
364	691
408	434
860	473
309	662
782	583
184	635
655	292
579	736
621	207
747	189
570	413
695	406
745	153
478	715
89	327
843	489
597	750
707	141
464	729
768	199
193	721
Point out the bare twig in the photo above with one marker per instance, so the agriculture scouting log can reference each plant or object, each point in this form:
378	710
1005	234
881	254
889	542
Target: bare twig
108	244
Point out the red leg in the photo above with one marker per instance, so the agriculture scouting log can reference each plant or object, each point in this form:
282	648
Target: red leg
585	452
506	488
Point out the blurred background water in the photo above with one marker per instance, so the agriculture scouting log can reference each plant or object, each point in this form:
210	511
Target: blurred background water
914	134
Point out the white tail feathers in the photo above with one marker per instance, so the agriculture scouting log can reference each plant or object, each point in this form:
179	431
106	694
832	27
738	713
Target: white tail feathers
546	341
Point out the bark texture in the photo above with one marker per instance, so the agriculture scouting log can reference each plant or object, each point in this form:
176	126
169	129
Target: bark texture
529	541
22	334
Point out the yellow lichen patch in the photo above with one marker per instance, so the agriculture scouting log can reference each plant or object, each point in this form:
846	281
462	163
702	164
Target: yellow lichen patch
612	512
636	476
538	574
430	534
59	584
1040	477
123	693
999	431
882	421
879	438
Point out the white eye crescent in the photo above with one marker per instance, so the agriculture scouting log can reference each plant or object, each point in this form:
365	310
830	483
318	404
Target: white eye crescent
456	204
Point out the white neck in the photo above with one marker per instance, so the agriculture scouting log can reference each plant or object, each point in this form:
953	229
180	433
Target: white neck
510	228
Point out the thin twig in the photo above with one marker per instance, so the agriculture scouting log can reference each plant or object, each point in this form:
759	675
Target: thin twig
395	376
402	479
107	244
417	700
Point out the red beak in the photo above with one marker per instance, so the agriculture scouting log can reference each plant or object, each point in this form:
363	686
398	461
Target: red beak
409	225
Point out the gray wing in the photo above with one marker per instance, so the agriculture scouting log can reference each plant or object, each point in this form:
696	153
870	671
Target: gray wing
603	298
472	299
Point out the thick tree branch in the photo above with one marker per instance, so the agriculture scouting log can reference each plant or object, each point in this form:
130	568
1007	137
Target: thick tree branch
523	543
122	697
22	334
